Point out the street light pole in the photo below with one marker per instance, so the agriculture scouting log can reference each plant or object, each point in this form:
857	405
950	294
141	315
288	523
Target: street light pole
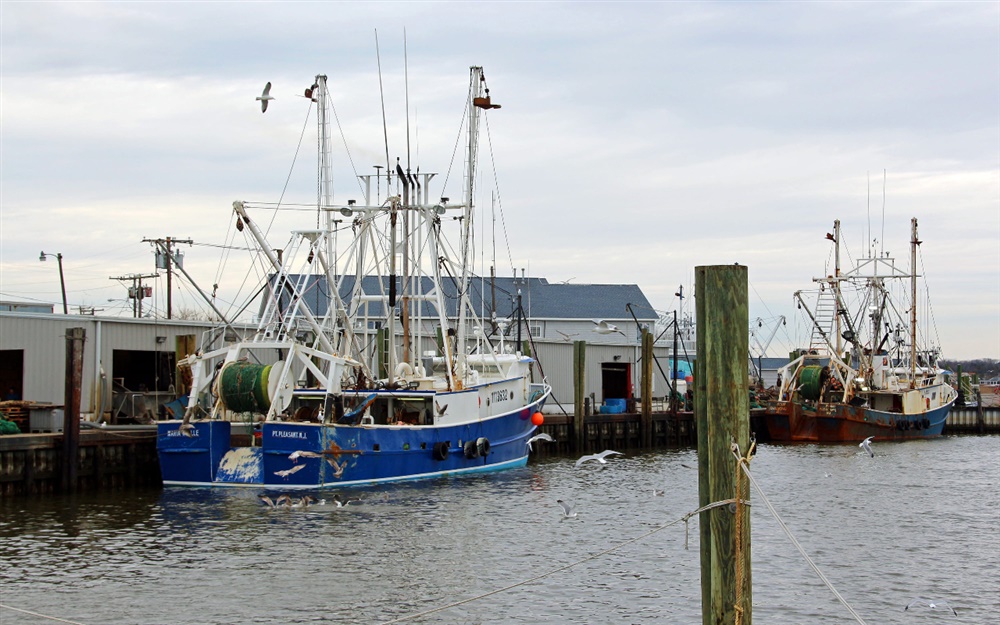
62	279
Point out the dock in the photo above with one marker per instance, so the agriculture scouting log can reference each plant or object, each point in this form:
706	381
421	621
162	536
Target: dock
973	420
32	464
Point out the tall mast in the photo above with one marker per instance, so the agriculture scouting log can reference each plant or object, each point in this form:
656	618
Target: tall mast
836	285
914	242
324	177
477	86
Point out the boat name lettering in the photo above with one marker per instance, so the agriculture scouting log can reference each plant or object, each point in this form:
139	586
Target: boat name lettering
503	395
179	433
287	434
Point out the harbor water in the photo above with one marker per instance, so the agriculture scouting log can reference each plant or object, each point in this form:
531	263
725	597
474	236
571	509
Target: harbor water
920	519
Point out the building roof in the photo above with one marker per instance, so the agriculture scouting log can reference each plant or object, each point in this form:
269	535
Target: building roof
539	298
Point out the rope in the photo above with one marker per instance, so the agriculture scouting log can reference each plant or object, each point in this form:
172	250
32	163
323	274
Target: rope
567	566
51	618
741	495
788	532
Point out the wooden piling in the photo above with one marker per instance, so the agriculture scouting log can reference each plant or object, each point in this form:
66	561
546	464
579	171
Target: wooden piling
646	410
579	378
722	411
71	408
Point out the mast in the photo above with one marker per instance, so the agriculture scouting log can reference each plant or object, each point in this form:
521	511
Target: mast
914	242
480	99
836	285
324	176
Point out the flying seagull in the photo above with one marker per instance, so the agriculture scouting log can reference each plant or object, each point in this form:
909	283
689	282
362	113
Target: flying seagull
440	409
603	327
934	605
568	512
866	445
265	97
598	457
295	455
288	472
338	469
540	437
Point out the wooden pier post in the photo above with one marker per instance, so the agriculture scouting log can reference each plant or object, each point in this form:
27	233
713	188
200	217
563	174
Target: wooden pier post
71	409
722	410
579	377
646	415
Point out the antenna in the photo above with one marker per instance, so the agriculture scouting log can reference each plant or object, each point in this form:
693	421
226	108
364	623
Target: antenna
883	215
406	81
868	235
381	93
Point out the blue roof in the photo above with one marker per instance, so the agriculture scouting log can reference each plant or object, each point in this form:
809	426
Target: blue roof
539	299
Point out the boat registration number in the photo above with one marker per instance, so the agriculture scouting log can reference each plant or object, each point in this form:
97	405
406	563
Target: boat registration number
503	395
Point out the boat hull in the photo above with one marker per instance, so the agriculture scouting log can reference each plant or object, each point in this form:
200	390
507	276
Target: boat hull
836	422
335	455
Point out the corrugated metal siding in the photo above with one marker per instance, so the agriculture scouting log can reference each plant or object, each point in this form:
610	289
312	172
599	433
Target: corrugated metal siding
42	339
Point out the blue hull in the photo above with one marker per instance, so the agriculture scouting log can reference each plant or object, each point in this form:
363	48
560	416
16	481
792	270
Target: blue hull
341	455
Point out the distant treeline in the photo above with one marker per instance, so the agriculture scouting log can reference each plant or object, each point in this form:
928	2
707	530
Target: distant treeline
983	367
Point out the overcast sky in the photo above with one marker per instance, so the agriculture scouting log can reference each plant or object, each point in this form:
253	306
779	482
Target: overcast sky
636	140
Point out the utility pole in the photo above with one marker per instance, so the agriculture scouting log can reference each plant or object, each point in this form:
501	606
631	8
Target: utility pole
136	292
164	246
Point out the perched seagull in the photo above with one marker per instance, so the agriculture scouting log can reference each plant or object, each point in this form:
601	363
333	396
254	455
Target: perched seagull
540	437
338	469
598	457
934	605
568	512
295	455
288	472
866	445
265	97
603	327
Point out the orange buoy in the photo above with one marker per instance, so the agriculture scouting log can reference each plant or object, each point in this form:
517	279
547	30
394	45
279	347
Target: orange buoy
537	419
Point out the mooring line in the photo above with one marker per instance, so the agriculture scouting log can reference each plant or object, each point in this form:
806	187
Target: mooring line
564	567
795	542
51	618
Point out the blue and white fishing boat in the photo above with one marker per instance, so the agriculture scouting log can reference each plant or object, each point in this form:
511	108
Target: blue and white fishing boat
369	363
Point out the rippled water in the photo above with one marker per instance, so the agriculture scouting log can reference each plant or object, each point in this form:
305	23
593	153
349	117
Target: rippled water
921	519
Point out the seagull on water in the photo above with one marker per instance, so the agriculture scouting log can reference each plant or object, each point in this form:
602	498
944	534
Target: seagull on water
934	605
343	502
603	327
598	457
568	511
267	501
658	493
866	445
540	437
265	97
